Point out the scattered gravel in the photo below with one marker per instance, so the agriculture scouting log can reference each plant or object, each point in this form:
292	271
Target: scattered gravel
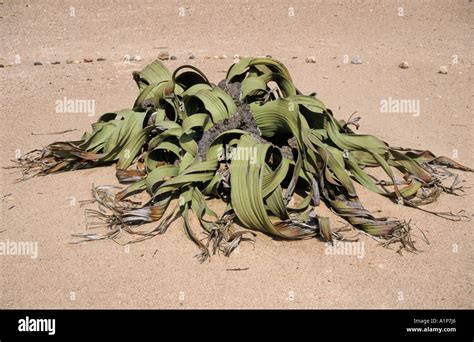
443	69
163	56
403	65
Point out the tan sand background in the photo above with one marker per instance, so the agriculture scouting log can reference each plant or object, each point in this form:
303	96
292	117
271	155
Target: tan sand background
161	272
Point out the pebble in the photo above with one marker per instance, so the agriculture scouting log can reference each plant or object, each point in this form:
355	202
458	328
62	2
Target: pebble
222	57
69	61
2	66
216	57
403	65
173	58
443	69
88	60
101	59
55	62
356	60
237	56
192	57
310	59
268	56
163	56
326	77
76	61
137	58
207	57
37	63
294	57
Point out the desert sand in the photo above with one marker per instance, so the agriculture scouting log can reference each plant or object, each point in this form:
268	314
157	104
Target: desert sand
161	272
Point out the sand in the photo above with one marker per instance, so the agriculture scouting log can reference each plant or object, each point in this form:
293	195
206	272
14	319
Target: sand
161	272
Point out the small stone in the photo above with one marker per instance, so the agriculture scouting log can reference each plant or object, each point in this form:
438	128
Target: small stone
163	56
325	77
137	58
294	57
268	56
69	61
101	59
173	58
76	61
403	65
88	60
55	62
37	63
207	57
2	66
216	57
222	57
310	59
356	60
236	56
443	69
192	57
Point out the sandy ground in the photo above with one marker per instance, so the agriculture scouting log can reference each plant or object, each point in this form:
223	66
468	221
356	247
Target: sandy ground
161	272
